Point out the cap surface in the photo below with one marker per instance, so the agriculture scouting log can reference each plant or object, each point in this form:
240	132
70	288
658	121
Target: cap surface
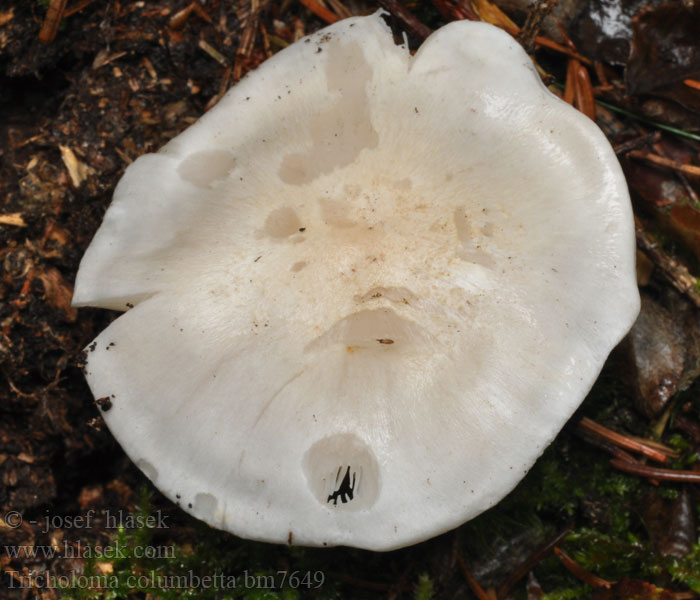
368	288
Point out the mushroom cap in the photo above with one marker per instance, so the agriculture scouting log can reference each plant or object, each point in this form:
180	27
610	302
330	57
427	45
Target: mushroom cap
368	288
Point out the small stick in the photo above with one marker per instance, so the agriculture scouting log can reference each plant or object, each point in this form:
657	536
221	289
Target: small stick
584	90
684	180
181	16
638	142
530	562
247	39
320	11
578	91
266	40
578	571
655	472
570	85
547	43
621	440
407	19
6	17
77	7
495	16
674	272
298	29
402	584
223	86
600	72
340	9
15	219
669	452
629	459
538	11
692	170
453	9
473	583
52	20
622	455
213	52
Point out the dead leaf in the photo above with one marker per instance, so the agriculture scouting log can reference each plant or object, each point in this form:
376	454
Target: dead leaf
14	219
77	170
604	29
58	292
7	16
665	347
665	52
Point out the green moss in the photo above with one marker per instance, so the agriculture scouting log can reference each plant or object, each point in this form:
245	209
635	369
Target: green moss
686	570
424	590
574	593
214	568
572	486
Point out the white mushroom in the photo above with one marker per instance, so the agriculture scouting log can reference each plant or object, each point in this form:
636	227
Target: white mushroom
369	288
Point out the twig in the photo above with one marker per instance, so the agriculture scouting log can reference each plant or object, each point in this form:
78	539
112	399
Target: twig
623	456
578	91
621	440
77	7
52	20
619	453
320	11
570	85
578	571
661	423
402	583
655	472
641	119
669	452
223	87
340	9
692	170
585	101
684	180
298	29
407	19
247	39
15	219
455	9
7	16
602	76
473	583
530	562
638	142
213	52
547	43
492	14
538	11
179	19
266	40
674	272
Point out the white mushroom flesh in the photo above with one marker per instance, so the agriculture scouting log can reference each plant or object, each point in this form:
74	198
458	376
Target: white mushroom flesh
368	288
